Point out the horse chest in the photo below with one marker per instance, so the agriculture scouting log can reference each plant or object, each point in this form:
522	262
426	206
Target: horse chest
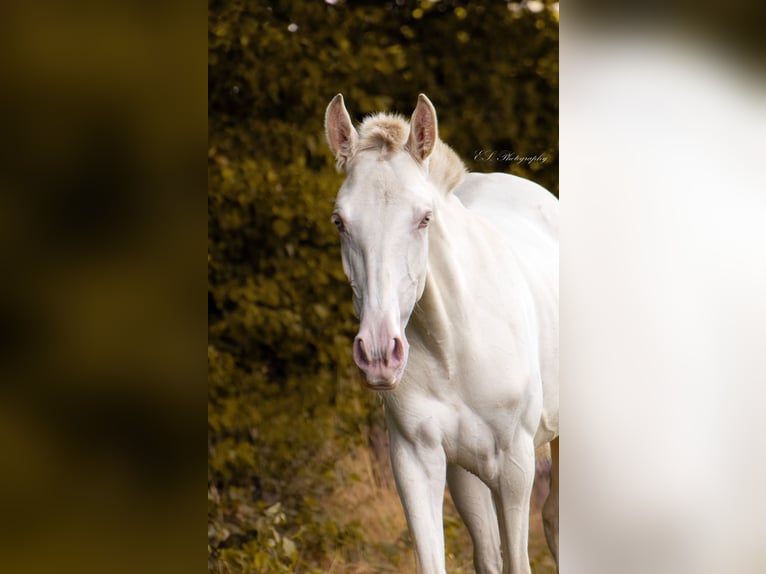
473	429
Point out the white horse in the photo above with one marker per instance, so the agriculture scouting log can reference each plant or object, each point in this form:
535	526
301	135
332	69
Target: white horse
455	282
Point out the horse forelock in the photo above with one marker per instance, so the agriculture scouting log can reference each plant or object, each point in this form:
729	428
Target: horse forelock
385	132
388	133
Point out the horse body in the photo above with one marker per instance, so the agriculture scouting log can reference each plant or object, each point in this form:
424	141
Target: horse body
526	214
455	277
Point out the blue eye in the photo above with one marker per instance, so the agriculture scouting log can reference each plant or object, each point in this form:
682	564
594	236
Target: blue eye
338	222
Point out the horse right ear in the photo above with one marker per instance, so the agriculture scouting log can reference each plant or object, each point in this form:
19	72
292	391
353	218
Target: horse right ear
340	132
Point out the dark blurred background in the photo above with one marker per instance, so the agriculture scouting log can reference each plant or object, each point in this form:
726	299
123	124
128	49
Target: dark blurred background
101	322
296	446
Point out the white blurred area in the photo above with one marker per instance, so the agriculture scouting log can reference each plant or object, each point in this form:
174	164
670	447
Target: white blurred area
663	306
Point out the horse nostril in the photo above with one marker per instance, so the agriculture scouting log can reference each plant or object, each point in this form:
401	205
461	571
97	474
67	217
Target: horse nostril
360	353
397	353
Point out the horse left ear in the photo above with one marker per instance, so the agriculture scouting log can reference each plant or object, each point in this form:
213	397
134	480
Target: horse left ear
423	129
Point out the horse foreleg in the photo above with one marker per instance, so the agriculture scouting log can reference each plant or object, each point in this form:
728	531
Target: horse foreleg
473	501
419	473
511	493
551	506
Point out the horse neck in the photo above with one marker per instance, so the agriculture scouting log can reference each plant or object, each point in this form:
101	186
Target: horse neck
438	316
446	169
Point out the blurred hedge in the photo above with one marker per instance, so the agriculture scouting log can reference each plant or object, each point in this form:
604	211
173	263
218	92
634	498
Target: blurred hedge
282	402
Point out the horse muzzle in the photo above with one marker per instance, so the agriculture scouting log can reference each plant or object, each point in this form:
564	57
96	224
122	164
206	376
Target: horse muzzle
381	358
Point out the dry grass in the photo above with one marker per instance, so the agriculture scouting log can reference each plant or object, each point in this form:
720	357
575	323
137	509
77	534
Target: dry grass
359	498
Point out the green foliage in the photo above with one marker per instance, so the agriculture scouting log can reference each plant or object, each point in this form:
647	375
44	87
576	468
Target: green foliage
281	402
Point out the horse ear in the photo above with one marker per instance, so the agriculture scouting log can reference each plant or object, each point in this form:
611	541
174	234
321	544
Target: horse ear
423	129
340	132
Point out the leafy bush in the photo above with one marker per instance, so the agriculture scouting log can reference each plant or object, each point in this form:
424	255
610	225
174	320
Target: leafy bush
283	404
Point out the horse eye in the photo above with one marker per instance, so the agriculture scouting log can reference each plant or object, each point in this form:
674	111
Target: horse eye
425	221
338	222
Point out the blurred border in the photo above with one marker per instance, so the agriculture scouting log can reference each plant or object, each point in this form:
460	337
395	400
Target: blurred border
663	288
103	333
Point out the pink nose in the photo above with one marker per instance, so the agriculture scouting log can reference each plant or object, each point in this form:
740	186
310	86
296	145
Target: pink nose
381	358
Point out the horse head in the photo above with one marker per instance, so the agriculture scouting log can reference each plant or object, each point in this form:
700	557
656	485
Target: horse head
382	212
